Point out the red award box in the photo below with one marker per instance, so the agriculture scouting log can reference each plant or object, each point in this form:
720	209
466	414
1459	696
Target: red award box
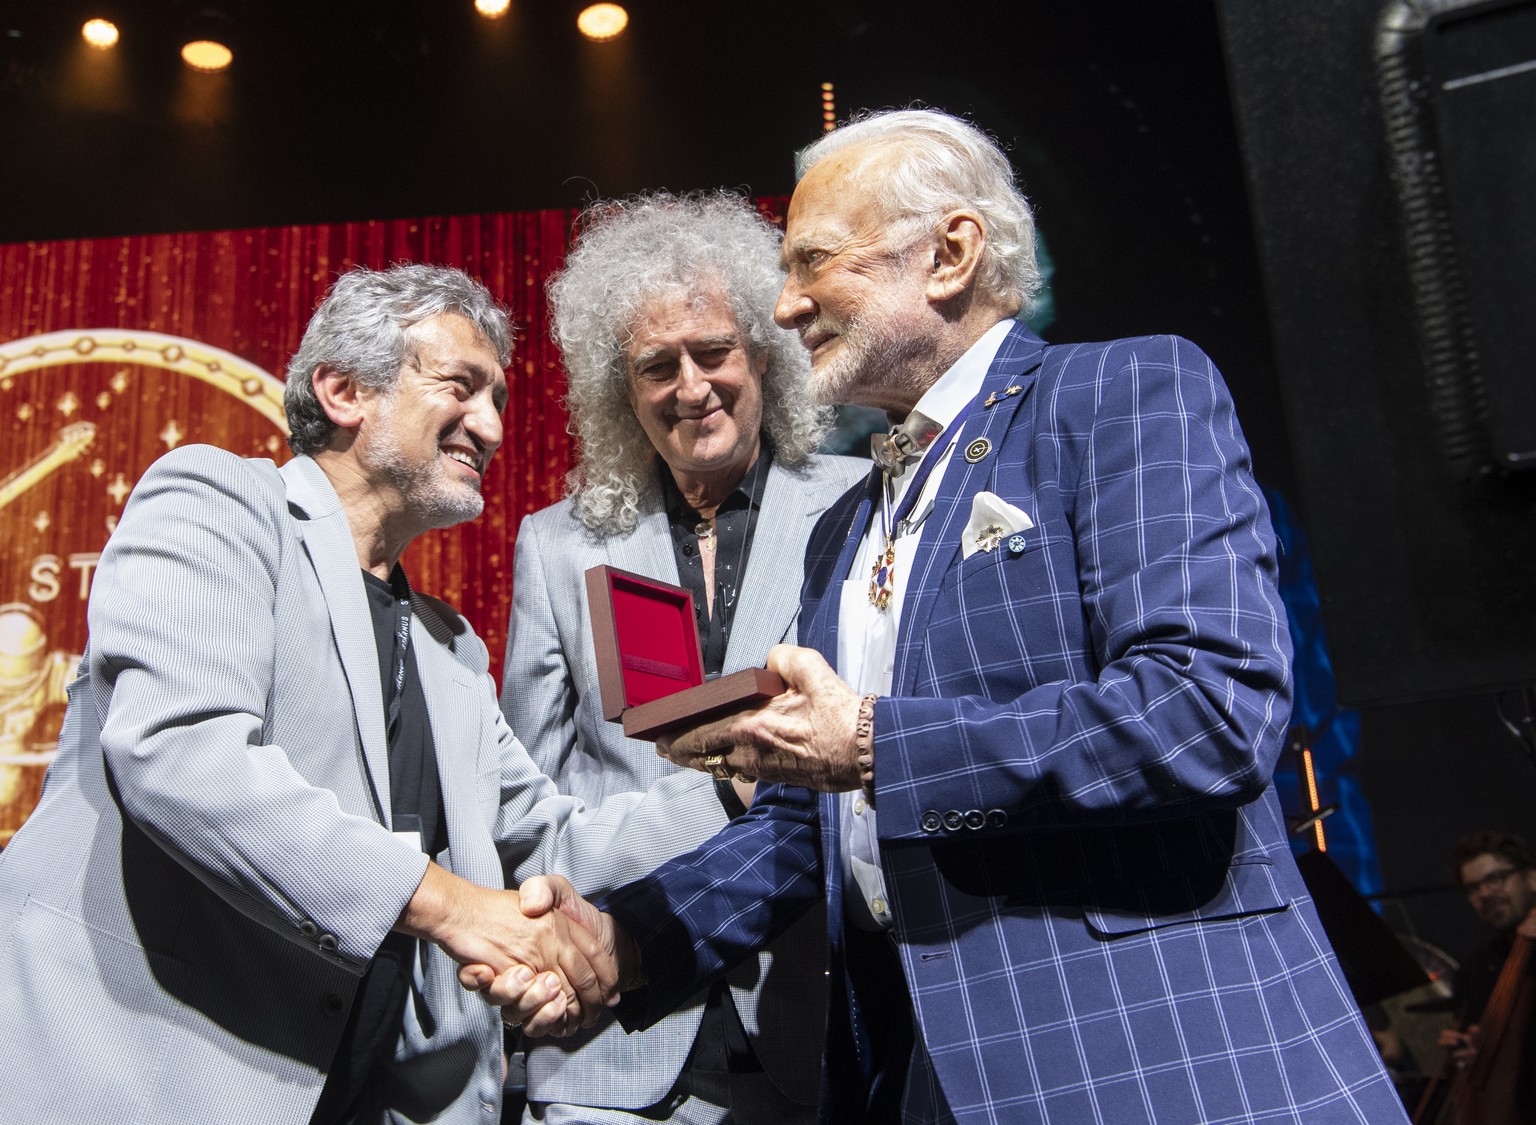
650	672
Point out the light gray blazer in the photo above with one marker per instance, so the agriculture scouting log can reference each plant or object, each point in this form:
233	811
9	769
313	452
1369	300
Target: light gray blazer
185	918
550	698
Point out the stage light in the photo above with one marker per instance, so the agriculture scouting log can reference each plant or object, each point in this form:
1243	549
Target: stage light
99	33
206	54
1314	803
492	9
602	22
828	107
208	43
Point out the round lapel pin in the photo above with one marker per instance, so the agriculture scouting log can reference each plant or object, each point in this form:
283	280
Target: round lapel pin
977	450
1016	544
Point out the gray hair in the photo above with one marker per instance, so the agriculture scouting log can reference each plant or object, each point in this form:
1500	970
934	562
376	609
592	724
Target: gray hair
628	254
947	163
360	327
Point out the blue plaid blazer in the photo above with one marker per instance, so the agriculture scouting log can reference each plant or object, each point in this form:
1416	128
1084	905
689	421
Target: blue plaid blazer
1097	913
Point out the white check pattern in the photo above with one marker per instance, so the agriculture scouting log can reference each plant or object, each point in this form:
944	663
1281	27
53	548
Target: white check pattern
1098	916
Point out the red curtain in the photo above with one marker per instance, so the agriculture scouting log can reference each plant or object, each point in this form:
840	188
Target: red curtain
117	349
112	351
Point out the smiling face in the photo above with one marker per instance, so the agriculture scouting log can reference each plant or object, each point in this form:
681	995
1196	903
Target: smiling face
697	390
429	438
1509	894
857	296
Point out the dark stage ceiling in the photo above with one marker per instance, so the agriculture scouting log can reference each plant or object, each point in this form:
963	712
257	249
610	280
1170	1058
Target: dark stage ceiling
1117	116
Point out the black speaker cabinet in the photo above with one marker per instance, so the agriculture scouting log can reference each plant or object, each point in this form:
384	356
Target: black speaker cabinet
1390	147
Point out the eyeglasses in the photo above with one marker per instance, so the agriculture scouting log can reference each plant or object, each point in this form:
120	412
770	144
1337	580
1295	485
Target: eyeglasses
1489	882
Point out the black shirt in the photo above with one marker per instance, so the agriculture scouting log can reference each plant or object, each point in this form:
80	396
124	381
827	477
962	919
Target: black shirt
356	1088
735	520
415	797
722	1043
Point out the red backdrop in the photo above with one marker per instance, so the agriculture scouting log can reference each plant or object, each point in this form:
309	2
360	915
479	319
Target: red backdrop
114	350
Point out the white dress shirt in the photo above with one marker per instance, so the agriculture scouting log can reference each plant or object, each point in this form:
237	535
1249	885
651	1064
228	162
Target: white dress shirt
866	635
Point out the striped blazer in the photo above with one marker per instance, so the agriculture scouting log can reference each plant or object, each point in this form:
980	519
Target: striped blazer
1096	909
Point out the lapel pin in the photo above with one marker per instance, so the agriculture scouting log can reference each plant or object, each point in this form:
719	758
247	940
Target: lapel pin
1016	544
977	450
992	400
1013	390
989	538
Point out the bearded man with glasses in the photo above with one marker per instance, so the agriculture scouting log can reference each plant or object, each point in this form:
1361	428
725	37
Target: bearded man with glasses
1498	874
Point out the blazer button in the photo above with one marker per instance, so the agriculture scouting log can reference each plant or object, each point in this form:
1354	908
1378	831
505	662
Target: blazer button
975	819
309	929
930	822
328	943
330	1005
953	820
996	818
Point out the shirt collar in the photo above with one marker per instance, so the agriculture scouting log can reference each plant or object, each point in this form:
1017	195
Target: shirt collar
747	493
955	389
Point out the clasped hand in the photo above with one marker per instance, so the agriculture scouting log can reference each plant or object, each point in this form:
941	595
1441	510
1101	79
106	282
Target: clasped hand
553	950
804	736
536	1001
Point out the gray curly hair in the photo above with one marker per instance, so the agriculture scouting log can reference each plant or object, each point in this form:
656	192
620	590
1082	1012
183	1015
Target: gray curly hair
628	254
360	327
948	163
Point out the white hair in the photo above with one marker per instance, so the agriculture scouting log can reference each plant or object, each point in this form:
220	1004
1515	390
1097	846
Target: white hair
628	254
947	163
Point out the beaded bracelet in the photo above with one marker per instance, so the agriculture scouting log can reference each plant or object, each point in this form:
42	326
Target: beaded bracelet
864	744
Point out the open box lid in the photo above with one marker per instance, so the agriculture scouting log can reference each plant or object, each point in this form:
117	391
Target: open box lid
645	637
650	667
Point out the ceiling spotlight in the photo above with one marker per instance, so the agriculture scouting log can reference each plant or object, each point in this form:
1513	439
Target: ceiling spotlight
208	41
99	33
206	54
492	9
602	22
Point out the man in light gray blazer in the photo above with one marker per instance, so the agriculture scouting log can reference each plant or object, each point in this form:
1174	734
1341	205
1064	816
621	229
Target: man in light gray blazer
698	468
285	800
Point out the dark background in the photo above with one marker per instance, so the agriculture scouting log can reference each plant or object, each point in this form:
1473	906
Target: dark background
1118	116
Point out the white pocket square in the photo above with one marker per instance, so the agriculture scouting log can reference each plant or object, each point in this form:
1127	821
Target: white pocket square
993	521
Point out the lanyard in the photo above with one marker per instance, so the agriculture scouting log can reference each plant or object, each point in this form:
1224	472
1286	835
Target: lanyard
893	525
401	588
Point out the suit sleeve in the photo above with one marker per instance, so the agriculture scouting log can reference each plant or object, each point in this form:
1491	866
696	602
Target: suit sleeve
700	914
182	626
1181	703
538	696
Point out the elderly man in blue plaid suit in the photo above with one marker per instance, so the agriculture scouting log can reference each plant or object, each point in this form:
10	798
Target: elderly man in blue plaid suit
1043	689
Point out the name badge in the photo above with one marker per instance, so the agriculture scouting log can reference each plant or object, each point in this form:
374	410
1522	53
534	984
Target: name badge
408	828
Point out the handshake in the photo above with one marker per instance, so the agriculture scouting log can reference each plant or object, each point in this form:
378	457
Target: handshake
544	954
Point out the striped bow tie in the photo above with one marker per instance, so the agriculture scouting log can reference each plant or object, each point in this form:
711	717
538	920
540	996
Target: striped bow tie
905	444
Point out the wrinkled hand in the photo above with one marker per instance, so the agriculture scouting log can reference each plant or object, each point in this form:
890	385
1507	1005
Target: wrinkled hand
803	736
575	977
518	993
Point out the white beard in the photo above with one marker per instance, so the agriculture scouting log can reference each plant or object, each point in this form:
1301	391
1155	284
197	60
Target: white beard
879	349
885	345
